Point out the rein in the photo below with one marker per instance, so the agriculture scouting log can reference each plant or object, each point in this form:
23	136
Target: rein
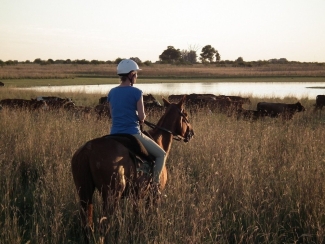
176	137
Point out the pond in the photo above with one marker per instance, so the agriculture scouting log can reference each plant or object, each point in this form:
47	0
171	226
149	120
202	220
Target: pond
252	89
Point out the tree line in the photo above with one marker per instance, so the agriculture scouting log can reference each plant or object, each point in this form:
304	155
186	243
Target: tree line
171	55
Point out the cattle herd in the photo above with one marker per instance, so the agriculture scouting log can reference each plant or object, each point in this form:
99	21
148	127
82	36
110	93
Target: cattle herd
233	106
229	105
52	103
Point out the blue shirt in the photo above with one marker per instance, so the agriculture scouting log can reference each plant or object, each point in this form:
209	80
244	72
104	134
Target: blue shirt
123	101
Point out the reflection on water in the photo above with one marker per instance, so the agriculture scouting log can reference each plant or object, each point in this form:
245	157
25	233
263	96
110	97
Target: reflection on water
253	89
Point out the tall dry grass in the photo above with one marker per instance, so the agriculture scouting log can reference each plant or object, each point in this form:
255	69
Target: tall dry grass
36	71
235	182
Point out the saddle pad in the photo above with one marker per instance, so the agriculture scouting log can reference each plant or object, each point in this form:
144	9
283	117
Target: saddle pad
133	144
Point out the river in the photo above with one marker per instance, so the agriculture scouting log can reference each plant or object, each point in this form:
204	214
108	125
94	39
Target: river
251	89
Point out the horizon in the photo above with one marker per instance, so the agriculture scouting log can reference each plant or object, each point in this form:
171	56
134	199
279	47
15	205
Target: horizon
153	62
102	30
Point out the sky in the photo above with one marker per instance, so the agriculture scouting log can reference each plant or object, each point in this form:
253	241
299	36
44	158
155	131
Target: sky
107	30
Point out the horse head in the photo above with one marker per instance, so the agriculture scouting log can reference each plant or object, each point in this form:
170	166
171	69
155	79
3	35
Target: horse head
177	120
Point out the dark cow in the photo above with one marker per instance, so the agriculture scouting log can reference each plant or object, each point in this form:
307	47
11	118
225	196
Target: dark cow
67	105
244	100
81	112
2	84
52	98
320	102
173	98
102	100
57	104
225	105
102	111
191	97
32	104
153	108
199	103
285	110
194	102
146	98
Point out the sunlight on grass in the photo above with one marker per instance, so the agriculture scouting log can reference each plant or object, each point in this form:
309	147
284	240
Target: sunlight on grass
235	182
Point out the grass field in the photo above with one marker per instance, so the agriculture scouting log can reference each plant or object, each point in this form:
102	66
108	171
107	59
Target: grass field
236	182
99	81
26	75
62	71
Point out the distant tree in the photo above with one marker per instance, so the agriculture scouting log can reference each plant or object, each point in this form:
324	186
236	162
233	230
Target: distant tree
283	60
207	53
189	56
192	57
147	63
118	60
11	62
217	55
82	61
136	59
239	60
184	54
170	55
50	61
27	62
38	61
94	62
68	61
2	63
279	61
59	61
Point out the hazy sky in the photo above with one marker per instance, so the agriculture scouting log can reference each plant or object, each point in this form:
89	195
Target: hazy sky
109	29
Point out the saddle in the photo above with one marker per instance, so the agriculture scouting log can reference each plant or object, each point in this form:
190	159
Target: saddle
143	160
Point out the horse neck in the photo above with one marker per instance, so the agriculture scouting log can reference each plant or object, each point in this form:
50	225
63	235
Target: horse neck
162	138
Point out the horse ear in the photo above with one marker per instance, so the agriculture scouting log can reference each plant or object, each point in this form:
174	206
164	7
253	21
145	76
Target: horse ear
180	103
166	102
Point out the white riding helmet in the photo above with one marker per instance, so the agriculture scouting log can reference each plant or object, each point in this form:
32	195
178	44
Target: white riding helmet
126	66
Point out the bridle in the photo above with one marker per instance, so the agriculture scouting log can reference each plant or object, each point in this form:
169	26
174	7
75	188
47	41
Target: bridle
176	137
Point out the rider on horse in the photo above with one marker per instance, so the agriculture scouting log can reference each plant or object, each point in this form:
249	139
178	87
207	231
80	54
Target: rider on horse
127	111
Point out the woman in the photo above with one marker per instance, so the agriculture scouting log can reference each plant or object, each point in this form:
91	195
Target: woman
127	111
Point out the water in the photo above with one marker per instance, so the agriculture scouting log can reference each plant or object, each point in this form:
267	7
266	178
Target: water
252	89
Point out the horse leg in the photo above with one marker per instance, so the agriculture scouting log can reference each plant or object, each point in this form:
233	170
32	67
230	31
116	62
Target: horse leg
85	187
85	195
111	197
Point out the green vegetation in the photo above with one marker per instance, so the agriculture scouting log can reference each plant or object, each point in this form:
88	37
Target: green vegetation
235	182
26	75
163	71
99	81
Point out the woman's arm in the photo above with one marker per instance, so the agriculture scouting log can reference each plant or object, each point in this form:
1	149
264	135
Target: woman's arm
140	108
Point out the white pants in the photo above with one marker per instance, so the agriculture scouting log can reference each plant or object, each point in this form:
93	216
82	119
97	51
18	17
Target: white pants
154	149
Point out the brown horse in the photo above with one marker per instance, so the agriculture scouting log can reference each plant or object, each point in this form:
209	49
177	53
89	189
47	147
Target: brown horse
107	165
